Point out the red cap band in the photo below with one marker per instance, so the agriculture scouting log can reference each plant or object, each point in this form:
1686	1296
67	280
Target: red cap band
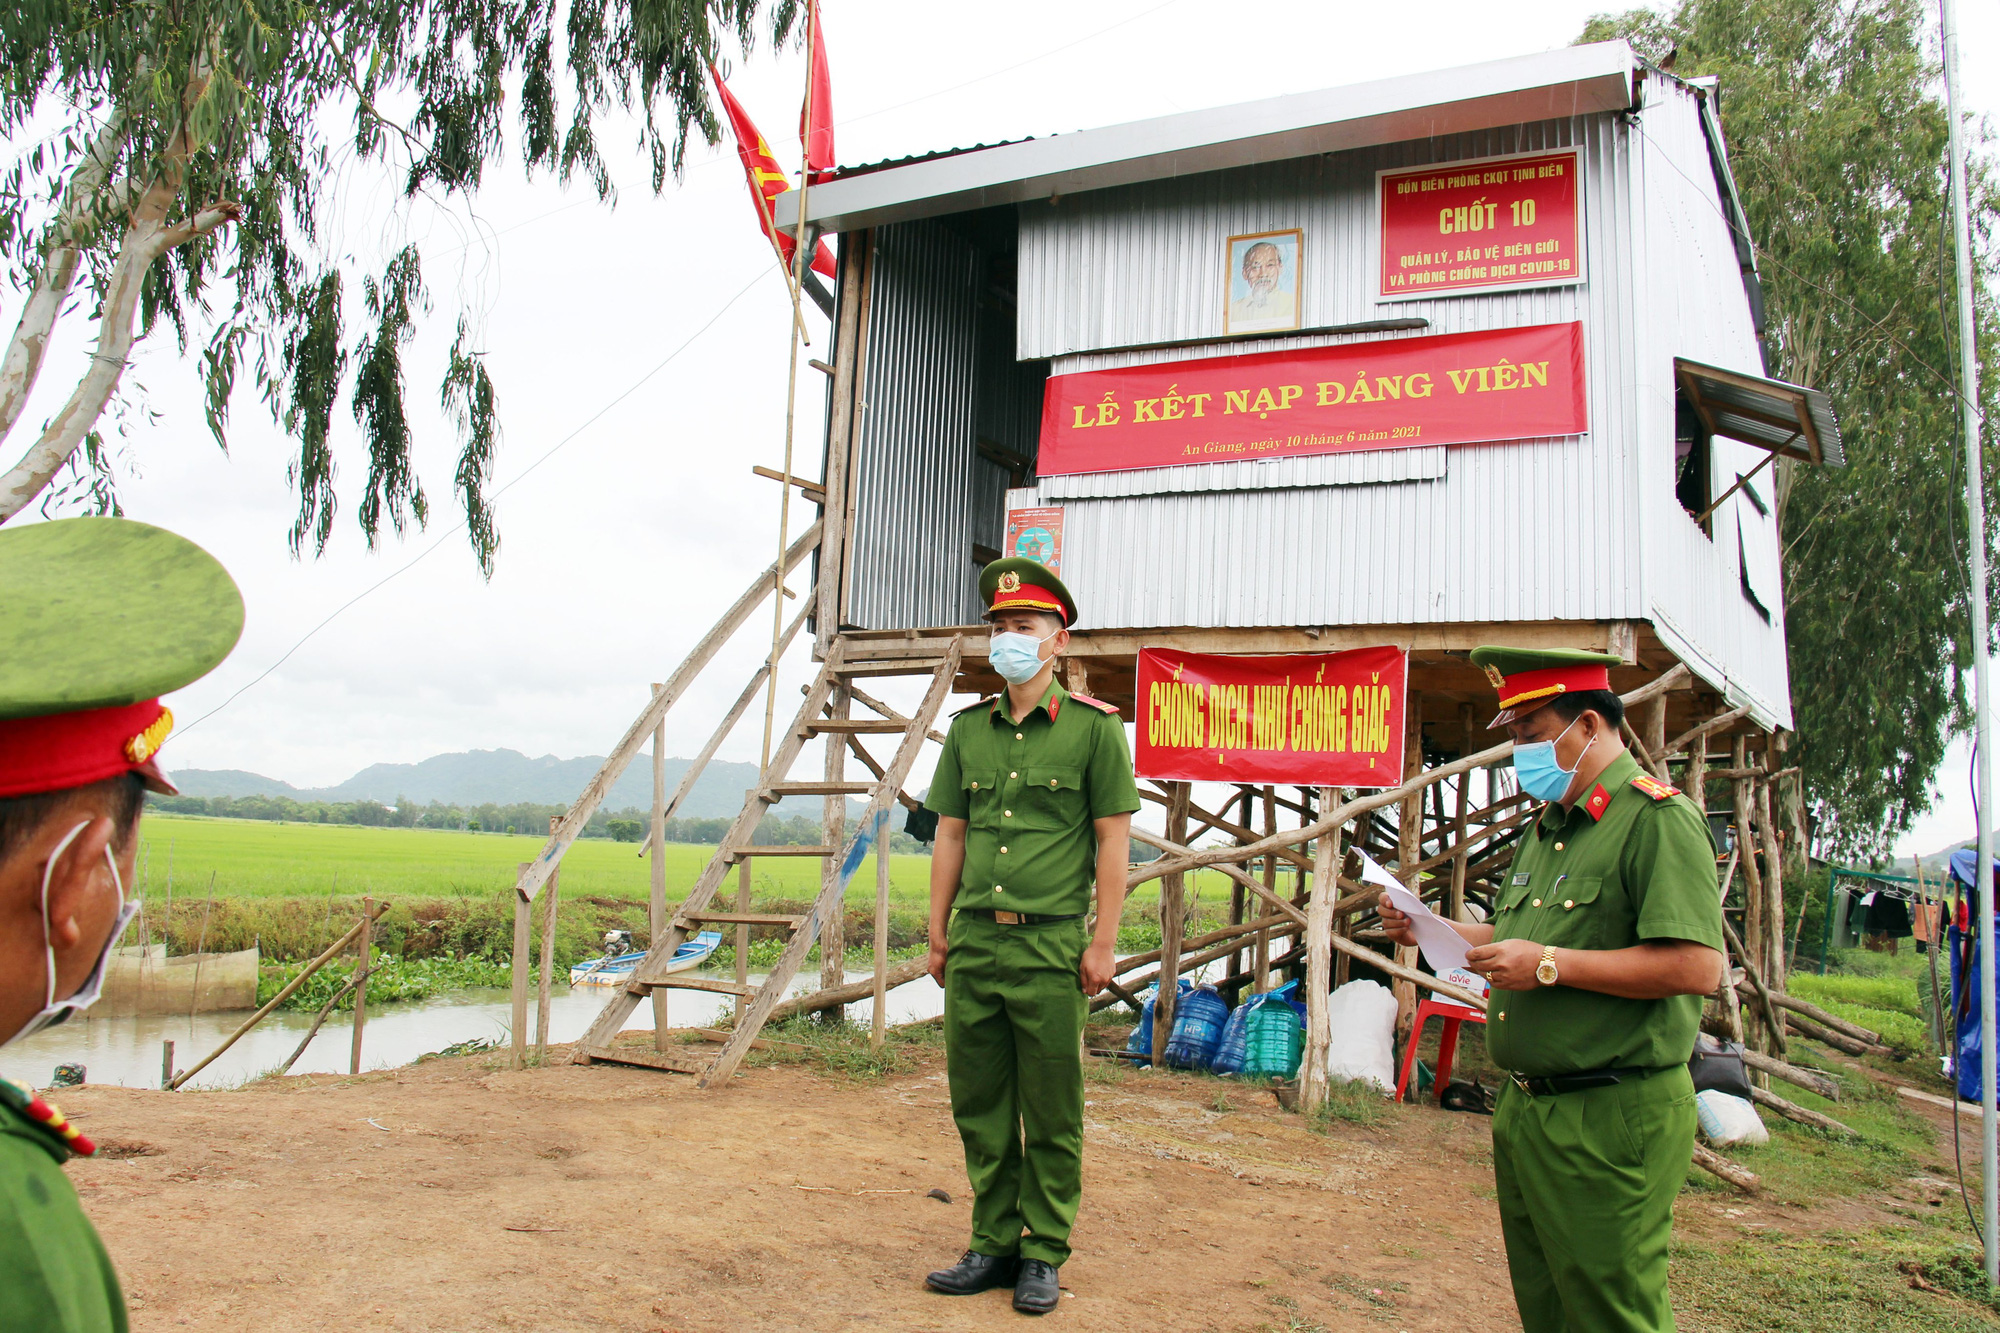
61	750
1027	597
1523	686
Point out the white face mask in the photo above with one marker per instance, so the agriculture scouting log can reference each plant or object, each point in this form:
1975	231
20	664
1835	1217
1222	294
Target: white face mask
56	1011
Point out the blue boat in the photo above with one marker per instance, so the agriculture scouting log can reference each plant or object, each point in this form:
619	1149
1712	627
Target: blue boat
616	969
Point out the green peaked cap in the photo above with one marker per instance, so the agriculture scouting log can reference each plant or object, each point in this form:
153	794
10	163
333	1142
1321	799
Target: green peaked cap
997	592
1510	661
104	612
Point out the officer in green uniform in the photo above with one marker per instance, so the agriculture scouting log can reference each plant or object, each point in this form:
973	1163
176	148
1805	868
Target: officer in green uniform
1605	937
101	616
1034	795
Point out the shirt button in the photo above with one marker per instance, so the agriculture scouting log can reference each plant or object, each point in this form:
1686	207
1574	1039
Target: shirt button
1503	1013
975	786
1052	782
998	889
1013	775
1003	851
1559	846
1567	902
1538	902
1019	737
1006	814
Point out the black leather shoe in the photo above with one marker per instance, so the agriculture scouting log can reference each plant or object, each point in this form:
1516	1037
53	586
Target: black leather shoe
976	1272
1035	1290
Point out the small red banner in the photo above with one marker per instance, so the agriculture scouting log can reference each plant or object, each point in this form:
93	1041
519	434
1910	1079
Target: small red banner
1456	388
1310	719
1478	226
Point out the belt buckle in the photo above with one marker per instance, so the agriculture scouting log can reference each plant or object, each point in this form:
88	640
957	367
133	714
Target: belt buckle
1007	918
1523	1084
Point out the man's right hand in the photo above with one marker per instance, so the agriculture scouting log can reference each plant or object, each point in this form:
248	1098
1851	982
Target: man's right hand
1396	925
937	959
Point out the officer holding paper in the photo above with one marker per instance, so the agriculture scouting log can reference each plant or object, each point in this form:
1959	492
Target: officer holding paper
1605	937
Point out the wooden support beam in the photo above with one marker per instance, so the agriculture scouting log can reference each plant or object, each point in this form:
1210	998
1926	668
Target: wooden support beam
835	997
812	490
1173	923
1713	1162
1812	1080
833	823
1803	1115
523	936
1319	961
656	843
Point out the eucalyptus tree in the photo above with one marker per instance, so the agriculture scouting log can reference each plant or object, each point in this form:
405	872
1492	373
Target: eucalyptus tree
1836	135
177	162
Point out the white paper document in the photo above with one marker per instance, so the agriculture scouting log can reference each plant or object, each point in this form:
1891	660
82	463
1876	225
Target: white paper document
1443	948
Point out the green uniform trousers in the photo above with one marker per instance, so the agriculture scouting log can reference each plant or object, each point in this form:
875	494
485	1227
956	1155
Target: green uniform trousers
1586	1184
1013	1031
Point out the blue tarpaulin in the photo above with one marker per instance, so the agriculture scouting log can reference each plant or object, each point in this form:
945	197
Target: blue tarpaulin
1965	984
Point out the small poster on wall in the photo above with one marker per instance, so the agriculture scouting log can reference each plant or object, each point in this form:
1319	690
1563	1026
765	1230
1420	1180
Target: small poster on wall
1492	225
1263	292
1037	534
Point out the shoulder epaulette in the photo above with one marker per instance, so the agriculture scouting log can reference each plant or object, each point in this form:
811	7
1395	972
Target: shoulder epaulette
976	703
1654	788
44	1117
1098	704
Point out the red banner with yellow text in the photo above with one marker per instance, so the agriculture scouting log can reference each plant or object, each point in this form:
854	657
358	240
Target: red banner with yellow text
1307	719
1493	225
1456	388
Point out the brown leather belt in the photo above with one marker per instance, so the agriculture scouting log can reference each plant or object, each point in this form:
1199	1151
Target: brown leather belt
1017	918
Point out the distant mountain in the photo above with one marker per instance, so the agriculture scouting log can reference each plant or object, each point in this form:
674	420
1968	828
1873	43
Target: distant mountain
500	776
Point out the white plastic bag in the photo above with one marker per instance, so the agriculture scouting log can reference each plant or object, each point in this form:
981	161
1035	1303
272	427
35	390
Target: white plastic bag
1727	1119
1361	1019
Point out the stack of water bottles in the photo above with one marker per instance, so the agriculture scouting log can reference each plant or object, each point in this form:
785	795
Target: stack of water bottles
1262	1039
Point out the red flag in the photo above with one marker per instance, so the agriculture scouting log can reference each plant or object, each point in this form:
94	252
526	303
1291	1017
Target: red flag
766	179
816	116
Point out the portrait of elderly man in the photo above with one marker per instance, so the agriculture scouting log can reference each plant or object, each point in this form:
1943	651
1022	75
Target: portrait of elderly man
1263	283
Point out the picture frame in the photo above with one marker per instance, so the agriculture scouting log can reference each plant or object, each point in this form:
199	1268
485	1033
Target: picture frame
1262	288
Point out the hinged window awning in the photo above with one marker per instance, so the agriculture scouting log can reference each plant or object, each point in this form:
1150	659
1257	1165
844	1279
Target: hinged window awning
1789	421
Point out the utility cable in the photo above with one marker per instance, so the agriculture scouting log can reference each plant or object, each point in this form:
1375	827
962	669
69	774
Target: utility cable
458	527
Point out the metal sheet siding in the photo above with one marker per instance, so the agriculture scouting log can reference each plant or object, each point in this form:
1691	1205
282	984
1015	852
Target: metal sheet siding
914	467
1526	530
1687	279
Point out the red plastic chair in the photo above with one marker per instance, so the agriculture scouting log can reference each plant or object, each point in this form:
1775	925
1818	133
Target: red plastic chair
1453	1014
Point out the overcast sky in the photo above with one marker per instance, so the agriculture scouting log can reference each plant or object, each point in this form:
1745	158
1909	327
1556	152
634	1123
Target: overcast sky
624	339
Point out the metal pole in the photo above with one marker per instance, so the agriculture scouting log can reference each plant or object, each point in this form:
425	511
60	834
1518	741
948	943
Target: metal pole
1975	508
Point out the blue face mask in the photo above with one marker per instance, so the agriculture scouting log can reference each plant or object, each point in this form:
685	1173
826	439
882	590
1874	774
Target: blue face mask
1017	657
1539	774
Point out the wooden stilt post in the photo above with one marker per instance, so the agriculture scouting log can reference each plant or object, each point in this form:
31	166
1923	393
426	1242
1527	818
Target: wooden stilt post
1754	925
1237	893
1695	783
742	932
167	1063
1409	851
833	825
545	982
1260	952
880	1030
1455	905
1653	729
1774	888
1173	924
366	947
523	935
656	905
1319	961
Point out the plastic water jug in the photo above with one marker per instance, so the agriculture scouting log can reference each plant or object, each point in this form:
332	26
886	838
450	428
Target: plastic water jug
1198	1019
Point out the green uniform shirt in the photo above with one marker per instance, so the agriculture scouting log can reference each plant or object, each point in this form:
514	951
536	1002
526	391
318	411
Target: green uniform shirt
1624	865
54	1274
1028	790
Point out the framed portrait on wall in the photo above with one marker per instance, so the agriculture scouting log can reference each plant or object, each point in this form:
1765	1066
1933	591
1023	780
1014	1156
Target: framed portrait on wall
1262	295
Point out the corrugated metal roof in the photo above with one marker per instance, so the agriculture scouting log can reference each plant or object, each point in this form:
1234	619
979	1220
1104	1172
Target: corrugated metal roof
864	168
1569	81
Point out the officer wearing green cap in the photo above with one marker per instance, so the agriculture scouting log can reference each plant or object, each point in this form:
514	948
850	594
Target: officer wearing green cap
102	616
1034	795
1605	935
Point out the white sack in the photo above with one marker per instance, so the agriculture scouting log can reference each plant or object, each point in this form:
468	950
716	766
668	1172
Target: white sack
1361	1017
1727	1119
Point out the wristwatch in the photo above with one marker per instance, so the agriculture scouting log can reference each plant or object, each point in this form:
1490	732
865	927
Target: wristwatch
1545	971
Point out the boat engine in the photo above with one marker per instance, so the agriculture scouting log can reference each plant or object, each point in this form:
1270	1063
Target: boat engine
617	943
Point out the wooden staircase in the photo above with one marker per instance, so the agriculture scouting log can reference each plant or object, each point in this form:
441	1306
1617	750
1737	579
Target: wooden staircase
822	714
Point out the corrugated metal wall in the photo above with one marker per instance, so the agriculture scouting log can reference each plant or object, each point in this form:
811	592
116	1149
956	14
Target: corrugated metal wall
940	377
1689	285
1529	530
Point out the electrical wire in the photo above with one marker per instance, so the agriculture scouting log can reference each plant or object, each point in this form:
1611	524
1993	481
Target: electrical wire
458	527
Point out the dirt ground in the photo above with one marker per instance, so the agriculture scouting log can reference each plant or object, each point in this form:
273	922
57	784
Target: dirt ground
459	1195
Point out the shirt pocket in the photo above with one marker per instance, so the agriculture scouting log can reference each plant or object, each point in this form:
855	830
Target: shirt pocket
1513	893
982	796
1573	913
1052	795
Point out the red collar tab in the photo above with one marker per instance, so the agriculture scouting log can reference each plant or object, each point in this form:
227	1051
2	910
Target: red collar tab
1599	799
1524	686
1654	788
57	751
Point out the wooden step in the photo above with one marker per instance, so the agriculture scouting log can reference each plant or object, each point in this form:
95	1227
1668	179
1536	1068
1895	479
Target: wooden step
820	788
856	726
671	1061
890	666
685	981
739	919
738	853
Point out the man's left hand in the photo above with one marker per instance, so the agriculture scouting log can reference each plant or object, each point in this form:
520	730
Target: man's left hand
1098	963
1508	964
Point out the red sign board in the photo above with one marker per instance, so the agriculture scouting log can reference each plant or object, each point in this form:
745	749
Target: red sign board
1311	719
1456	388
1495	224
1036	534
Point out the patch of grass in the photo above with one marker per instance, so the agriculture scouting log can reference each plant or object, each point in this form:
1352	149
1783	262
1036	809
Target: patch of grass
1776	1282
842	1047
1354	1102
1876	992
393	978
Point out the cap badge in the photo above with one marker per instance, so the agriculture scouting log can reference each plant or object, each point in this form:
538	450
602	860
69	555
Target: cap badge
147	743
1010	581
1493	674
